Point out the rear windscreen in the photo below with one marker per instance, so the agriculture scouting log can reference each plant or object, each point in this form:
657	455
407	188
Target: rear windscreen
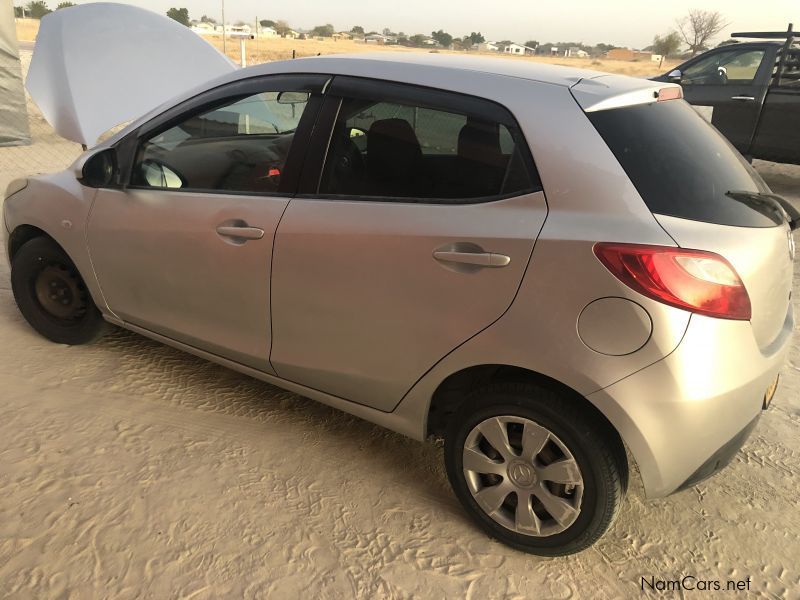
681	166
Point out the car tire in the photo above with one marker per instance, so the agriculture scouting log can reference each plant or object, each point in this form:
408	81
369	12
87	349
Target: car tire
591	468
52	295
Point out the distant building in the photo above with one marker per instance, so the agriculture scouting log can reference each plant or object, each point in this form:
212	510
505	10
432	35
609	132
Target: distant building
519	50
267	32
486	47
292	34
342	35
204	28
628	54
575	52
554	51
376	38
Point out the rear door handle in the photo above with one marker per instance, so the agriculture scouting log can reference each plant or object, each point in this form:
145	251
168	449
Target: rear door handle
481	259
743	98
240	232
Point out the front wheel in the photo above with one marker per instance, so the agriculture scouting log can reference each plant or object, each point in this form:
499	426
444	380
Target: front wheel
533	470
51	294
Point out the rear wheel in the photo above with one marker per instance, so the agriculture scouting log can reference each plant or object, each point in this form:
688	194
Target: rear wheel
52	296
533	471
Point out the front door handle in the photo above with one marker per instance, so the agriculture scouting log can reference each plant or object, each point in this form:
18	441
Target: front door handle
743	98
241	232
481	259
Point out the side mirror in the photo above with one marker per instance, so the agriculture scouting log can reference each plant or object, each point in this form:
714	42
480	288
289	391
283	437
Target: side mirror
100	170
675	76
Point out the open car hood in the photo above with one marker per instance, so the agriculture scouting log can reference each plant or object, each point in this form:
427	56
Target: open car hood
96	66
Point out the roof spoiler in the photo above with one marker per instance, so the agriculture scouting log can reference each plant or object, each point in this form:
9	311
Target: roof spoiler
789	35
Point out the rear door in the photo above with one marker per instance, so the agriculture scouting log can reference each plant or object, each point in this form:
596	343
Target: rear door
185	249
411	234
728	88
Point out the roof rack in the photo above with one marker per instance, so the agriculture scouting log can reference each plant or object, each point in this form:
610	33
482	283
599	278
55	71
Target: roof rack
789	35
769	35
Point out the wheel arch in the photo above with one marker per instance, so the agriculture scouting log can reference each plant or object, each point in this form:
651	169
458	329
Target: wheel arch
25	233
452	391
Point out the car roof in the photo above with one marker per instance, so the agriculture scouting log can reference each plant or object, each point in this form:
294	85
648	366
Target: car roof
593	90
346	64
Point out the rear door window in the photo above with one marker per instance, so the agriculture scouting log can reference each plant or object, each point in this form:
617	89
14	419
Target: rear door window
399	149
682	166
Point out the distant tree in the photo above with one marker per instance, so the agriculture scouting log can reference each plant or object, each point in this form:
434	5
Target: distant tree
388	32
444	39
416	40
668	45
267	23
65	5
603	48
323	30
532	44
282	28
181	15
698	27
357	29
475	38
207	19
19	12
727	42
240	23
36	9
464	43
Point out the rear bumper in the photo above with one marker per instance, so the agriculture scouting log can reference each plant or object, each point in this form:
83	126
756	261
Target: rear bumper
721	458
685	417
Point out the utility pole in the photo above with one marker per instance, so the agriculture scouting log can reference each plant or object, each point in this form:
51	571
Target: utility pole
224	45
256	38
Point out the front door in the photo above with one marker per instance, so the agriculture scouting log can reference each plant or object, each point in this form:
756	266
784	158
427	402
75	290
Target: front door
414	240
185	250
722	85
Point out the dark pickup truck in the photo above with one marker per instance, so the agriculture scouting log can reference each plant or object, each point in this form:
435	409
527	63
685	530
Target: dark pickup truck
750	91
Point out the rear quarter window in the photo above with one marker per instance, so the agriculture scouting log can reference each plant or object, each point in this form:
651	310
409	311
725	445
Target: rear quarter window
681	165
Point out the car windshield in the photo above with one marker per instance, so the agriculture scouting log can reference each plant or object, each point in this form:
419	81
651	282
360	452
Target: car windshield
682	166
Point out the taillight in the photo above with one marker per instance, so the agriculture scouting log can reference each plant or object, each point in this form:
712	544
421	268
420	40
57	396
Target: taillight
695	280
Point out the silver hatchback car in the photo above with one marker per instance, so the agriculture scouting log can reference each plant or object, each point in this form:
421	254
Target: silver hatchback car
544	266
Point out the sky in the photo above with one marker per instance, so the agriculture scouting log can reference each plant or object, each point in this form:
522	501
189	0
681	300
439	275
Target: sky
631	23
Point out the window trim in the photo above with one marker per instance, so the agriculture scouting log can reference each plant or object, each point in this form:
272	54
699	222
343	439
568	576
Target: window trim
409	94
218	97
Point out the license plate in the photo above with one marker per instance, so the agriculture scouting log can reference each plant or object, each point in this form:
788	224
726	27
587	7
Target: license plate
770	392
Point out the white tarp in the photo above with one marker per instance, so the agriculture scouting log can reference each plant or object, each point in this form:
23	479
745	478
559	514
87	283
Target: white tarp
96	66
13	113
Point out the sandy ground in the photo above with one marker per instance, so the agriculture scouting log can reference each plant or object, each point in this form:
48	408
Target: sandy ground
131	470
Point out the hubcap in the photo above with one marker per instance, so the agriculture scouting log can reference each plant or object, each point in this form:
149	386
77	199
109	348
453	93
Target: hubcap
60	292
523	476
